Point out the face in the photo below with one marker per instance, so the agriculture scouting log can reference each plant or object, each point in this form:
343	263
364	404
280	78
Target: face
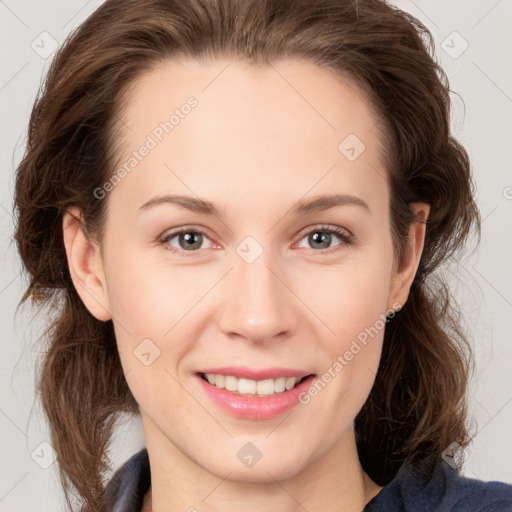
258	285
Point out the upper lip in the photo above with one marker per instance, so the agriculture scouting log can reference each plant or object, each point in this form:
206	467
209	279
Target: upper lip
245	372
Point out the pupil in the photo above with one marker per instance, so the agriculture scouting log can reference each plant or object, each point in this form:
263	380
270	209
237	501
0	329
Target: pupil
189	238
323	238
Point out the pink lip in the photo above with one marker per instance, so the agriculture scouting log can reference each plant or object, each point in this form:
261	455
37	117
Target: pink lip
243	372
255	407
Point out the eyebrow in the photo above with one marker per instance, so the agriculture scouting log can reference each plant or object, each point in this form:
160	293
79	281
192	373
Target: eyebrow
302	207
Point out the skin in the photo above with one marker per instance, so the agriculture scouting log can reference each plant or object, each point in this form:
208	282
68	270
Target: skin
261	139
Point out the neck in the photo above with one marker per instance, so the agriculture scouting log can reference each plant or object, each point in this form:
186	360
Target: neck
335	480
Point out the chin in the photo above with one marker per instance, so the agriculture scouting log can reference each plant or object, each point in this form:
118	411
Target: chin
266	469
260	473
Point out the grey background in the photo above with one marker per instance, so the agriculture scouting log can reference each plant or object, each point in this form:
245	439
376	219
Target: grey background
481	75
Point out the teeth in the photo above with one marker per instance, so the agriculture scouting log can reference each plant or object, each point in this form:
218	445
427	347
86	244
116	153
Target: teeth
219	381
252	387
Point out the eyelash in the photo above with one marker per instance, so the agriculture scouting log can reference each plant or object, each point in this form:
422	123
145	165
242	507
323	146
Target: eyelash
346	239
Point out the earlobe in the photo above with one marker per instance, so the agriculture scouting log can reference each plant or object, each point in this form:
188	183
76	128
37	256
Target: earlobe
406	269
85	266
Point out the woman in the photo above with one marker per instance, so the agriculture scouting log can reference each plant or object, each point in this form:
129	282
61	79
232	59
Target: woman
184	160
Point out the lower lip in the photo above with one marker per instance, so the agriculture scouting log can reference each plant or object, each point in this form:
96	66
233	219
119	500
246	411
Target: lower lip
255	407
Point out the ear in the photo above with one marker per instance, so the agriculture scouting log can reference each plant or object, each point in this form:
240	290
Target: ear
405	270
85	266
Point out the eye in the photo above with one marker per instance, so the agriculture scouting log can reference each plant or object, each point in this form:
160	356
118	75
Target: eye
320	237
188	240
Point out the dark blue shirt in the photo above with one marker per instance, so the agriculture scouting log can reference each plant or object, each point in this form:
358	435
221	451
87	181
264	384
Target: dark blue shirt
424	488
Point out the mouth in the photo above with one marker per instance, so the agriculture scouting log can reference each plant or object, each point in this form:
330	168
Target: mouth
254	394
250	399
250	387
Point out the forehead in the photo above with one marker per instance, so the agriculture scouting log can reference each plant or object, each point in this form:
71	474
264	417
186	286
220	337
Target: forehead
248	128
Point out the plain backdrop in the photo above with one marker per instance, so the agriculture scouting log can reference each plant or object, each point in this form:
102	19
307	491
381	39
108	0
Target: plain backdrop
473	44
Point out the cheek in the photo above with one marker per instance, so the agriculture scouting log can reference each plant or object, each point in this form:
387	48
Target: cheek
160	315
350	298
149	309
150	298
352	302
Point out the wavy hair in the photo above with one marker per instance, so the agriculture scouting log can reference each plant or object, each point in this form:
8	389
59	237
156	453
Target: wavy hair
417	406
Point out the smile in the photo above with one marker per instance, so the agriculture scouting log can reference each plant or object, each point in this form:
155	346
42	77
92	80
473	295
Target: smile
251	387
254	399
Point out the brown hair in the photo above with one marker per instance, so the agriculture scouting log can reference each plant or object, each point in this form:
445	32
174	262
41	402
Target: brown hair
417	405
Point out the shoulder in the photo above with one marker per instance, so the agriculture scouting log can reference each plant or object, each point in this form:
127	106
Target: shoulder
437	487
470	494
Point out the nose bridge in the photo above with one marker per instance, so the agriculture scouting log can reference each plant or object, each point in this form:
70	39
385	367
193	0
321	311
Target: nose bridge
257	303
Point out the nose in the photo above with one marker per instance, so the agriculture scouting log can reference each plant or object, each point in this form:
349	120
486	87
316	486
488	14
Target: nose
258	304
